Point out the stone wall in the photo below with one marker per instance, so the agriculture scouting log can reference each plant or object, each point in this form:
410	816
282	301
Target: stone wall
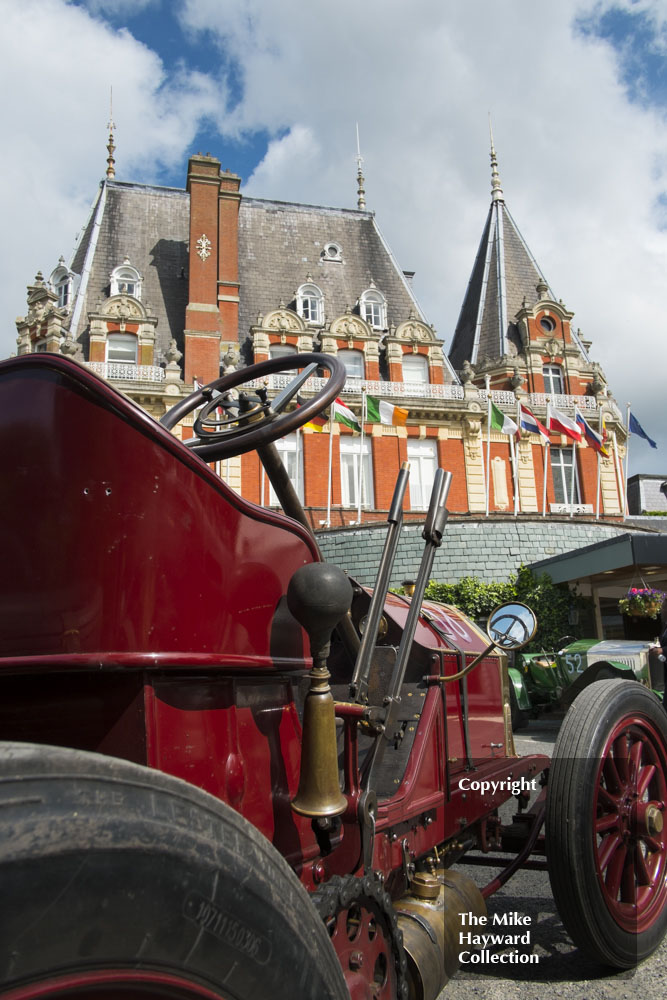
491	549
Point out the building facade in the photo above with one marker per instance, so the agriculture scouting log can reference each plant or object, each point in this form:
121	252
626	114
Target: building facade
168	287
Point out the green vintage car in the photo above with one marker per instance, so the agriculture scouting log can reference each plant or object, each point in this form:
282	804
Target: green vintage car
542	681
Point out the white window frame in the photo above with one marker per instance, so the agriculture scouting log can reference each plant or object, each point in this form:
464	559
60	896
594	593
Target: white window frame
373	308
310	304
562	471
554	380
282	351
61	282
423	459
415	369
290	449
123	338
125	280
350	450
354	362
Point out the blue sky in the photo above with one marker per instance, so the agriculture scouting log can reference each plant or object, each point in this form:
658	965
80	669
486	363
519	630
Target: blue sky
577	92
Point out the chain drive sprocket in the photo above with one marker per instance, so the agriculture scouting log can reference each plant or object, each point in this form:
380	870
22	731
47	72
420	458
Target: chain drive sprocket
353	897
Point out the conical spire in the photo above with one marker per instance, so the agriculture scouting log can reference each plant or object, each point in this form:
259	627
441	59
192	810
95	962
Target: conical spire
496	187
111	163
361	193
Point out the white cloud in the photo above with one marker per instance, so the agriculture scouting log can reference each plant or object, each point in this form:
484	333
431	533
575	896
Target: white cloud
582	167
54	118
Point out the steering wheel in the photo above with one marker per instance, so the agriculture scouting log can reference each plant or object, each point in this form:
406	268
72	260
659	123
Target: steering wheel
246	421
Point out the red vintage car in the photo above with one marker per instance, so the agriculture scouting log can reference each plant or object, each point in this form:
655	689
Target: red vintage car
228	771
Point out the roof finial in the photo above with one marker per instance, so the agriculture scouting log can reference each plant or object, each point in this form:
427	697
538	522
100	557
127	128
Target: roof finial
496	188
111	163
361	193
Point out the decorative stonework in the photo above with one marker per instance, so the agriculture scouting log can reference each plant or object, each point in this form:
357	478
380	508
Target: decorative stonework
283	321
415	331
124	308
350	327
203	247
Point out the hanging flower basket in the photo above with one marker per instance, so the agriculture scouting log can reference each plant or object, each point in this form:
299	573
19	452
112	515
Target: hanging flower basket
642	602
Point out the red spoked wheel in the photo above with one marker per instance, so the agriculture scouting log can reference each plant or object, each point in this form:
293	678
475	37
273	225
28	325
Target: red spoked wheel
630	833
605	823
113	984
364	931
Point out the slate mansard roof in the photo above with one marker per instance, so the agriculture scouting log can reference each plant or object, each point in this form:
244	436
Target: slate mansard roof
280	248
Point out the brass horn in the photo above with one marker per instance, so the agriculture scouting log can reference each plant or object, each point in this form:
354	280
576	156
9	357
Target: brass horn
318	596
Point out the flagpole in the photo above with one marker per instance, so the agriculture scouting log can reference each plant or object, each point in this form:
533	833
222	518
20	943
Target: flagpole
576	473
332	420
518	440
627	454
514	478
361	453
545	445
487	485
619	476
574	465
599	483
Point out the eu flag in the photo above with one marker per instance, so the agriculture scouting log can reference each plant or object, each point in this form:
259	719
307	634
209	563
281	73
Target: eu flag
636	428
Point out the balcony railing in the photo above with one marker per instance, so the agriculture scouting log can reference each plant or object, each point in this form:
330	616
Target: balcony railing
118	371
354	386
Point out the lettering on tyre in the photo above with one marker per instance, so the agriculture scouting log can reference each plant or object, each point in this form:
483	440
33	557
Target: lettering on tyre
227	928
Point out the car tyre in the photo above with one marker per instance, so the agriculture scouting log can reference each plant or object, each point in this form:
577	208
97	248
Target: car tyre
118	879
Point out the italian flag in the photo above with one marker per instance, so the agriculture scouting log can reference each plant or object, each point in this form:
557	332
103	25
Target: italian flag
342	414
501	422
379	411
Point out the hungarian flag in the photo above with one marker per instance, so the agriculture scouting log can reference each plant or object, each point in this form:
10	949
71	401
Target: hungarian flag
379	411
501	422
636	428
342	414
562	424
592	437
529	422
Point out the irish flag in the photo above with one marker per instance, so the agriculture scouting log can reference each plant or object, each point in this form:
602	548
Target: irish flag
501	422
342	414
379	411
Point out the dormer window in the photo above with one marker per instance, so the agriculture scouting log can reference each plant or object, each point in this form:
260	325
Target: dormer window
310	304
331	251
61	283
373	308
122	348
126	280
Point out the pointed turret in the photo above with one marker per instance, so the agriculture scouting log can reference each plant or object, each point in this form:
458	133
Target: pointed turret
504	279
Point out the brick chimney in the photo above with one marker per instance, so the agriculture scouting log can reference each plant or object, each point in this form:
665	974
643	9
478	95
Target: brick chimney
212	312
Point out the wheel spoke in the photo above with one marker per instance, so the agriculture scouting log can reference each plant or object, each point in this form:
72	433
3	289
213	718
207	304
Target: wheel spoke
605	798
615	872
611	775
621	758
628	882
641	868
644	778
635	758
608	848
609	821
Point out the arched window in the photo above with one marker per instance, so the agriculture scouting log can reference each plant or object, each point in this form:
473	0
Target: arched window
554	384
354	363
310	304
61	283
415	368
122	348
373	308
126	280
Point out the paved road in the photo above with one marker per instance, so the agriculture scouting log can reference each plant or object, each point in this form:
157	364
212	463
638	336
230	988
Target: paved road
562	972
